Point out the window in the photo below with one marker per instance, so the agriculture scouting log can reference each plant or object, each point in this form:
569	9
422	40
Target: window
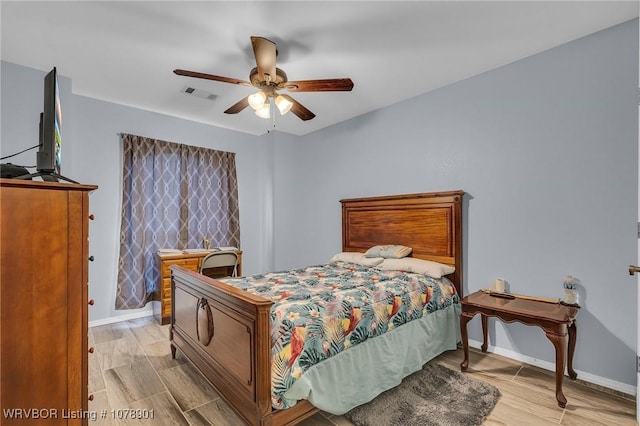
173	196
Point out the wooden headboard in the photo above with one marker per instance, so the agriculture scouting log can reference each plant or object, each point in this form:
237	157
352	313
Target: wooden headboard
430	223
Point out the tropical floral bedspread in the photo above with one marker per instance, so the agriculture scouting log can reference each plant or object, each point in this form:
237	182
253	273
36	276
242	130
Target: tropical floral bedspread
321	310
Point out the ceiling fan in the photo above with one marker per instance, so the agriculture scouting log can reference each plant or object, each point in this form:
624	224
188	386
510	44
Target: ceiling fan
269	79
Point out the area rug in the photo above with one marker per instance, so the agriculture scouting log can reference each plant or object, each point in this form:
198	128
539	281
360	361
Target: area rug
435	395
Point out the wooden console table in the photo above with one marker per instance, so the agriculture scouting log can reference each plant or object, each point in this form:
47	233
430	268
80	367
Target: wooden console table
190	260
557	321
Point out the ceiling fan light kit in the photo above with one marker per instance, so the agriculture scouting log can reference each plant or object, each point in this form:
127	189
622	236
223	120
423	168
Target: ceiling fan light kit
268	79
259	102
256	101
284	105
264	111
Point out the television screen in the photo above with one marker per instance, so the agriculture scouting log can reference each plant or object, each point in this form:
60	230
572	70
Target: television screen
49	157
58	126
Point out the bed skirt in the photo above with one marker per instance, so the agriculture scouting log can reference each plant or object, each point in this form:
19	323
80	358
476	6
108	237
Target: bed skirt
377	364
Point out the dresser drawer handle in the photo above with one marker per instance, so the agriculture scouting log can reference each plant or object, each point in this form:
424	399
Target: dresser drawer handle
91	350
91	397
91	217
91	302
91	258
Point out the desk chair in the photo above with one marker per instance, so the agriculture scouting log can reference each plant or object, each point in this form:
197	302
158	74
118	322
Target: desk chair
219	261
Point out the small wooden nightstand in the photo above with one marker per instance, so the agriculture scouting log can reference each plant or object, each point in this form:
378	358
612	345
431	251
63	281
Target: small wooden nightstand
558	322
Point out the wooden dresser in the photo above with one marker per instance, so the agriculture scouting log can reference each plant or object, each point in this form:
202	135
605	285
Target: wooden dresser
44	302
191	261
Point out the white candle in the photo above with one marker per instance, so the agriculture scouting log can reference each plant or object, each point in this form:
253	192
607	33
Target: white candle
498	285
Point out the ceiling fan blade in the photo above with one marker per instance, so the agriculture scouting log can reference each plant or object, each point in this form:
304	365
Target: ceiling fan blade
265	52
326	85
211	77
238	106
300	110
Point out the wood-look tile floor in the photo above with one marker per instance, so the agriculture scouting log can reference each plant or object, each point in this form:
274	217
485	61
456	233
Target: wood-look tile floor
132	368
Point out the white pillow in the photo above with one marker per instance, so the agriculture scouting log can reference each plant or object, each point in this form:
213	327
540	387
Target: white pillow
418	266
389	251
356	257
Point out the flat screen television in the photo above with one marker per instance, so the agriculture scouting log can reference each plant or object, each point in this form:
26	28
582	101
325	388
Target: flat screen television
49	156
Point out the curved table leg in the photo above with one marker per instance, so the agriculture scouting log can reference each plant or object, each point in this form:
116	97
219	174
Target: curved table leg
464	319
572	347
485	341
560	343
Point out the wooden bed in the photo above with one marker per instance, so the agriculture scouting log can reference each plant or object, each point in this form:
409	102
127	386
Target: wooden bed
225	332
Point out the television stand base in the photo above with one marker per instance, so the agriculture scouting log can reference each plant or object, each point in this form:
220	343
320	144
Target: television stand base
46	176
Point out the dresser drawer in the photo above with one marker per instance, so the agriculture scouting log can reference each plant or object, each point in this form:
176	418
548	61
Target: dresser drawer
185	263
166	307
166	286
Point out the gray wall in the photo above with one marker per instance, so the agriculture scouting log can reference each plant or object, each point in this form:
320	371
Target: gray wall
547	149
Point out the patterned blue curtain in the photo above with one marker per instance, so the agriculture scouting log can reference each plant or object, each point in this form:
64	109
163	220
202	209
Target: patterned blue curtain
173	196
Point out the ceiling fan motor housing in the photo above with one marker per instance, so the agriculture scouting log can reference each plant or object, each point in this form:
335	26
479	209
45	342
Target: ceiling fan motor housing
254	78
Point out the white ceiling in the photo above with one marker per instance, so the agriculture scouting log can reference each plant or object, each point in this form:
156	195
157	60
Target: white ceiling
125	51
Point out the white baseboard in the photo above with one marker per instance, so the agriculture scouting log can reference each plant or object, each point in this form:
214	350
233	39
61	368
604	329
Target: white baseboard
582	375
120	318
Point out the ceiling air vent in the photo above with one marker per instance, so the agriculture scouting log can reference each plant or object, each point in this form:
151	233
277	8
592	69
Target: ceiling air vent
199	93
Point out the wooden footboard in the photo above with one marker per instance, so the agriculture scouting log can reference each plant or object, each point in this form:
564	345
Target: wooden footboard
225	333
